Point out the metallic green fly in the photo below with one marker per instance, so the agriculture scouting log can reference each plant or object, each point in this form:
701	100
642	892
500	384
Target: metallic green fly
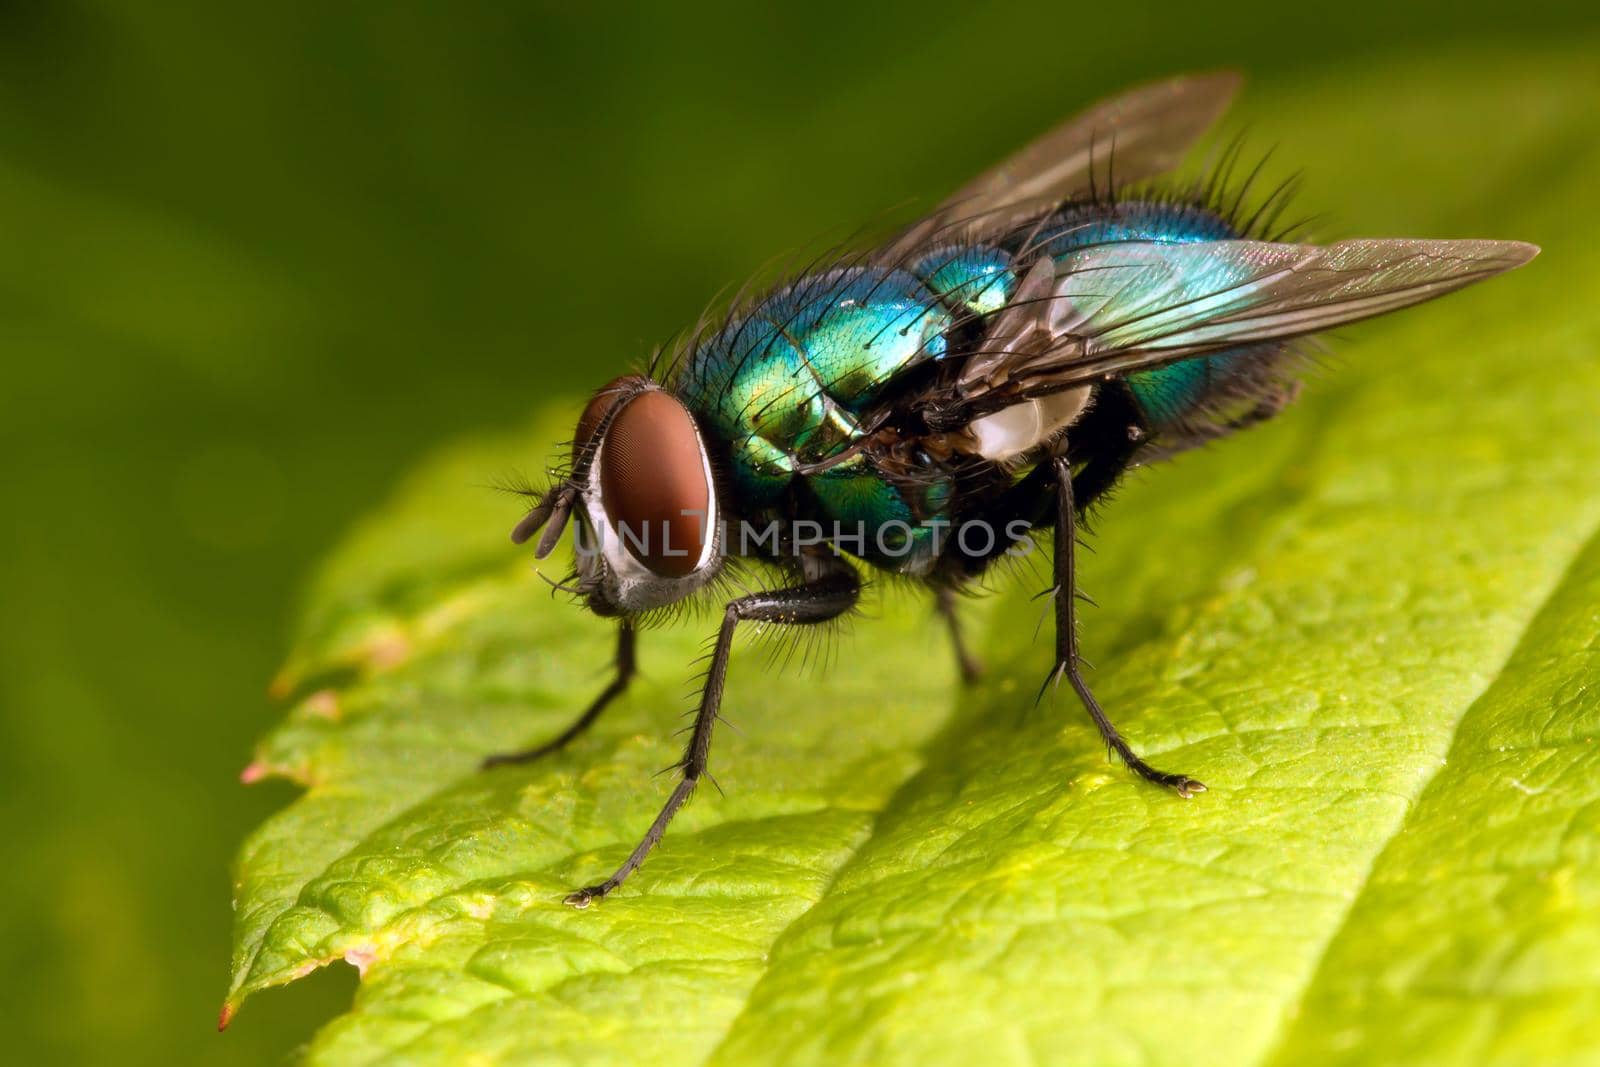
924	406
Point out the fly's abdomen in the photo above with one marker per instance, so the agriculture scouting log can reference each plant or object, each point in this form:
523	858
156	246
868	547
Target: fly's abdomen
1169	394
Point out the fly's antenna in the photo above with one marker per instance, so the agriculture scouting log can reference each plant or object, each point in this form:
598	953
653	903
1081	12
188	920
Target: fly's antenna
554	509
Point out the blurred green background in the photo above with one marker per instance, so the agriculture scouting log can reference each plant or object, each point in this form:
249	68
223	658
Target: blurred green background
258	259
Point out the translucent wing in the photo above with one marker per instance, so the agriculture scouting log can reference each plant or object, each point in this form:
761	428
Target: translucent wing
1139	134
1116	308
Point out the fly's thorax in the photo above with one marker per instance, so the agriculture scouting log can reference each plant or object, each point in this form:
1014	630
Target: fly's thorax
648	534
787	381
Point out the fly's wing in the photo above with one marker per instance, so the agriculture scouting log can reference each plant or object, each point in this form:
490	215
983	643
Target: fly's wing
1116	308
1139	134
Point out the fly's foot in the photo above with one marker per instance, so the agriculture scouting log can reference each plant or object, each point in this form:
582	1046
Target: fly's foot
1181	784
594	894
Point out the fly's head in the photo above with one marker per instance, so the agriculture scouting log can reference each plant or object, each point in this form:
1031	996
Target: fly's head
642	489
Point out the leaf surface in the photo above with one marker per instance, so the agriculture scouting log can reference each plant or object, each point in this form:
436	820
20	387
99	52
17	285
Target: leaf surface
1371	628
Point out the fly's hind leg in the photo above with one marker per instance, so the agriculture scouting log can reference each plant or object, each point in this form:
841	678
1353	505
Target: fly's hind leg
624	672
830	590
1067	660
971	666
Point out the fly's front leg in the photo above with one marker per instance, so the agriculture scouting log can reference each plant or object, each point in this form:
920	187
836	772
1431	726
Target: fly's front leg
971	666
625	669
829	593
1067	662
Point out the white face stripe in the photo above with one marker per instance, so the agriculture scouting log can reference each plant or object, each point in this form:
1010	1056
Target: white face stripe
713	513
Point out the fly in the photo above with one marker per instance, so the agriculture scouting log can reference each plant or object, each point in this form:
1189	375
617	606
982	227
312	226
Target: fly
922	407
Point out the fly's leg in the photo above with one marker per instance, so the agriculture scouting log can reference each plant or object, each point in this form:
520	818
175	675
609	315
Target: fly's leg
828	594
971	666
625	669
1067	662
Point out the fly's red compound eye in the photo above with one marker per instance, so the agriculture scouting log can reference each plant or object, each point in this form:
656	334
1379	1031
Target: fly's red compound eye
654	486
604	399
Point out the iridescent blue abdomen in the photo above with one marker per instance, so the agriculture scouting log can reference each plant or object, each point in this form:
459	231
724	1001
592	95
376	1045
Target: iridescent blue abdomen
1164	394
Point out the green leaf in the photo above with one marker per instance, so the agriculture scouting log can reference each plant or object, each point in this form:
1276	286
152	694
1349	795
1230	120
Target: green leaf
1371	628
